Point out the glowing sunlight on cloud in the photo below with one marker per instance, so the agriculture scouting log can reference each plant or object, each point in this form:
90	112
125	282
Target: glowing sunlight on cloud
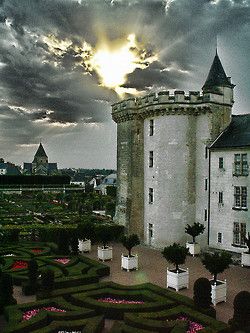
112	61
113	65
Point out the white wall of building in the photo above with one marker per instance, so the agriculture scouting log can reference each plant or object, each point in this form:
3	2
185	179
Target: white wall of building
169	177
223	216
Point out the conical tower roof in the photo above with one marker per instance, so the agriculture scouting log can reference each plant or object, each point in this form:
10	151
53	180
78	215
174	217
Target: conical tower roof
217	76
40	152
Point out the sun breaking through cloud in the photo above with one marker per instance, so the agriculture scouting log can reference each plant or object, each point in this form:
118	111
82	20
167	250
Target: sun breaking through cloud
112	61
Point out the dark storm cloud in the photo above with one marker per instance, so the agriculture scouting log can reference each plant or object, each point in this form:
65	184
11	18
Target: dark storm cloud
34	93
157	76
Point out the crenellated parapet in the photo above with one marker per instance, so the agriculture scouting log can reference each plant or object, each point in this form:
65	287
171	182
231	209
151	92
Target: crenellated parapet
161	103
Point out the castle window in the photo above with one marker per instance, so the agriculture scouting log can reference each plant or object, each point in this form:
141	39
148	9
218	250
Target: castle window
219	237
151	159
220	198
239	233
240	197
206	152
150	195
150	230
205	215
221	163
240	165
206	181
151	127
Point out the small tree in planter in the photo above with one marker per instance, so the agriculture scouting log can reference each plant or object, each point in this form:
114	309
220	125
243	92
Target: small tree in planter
241	317
245	256
129	261
216	263
105	235
202	296
176	254
194	230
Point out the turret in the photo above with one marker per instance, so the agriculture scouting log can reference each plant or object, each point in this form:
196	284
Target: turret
218	87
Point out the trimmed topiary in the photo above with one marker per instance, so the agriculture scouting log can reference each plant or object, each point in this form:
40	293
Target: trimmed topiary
104	234
216	262
6	291
129	242
176	254
86	230
32	271
194	230
63	241
74	244
241	317
48	280
202	295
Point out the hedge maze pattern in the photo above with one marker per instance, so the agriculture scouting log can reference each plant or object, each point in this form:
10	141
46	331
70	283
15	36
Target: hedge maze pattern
86	302
79	270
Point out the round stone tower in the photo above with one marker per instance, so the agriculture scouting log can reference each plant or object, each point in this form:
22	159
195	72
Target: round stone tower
162	158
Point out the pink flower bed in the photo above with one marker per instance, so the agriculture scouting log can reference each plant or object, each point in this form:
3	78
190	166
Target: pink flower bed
63	261
118	301
31	313
19	264
193	326
36	251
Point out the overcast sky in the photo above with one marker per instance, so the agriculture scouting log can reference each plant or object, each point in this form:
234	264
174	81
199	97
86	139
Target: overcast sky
50	86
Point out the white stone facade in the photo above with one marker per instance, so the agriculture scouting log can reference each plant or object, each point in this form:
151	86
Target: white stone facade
229	222
163	159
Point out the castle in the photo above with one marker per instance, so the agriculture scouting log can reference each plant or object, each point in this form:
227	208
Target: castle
40	164
168	161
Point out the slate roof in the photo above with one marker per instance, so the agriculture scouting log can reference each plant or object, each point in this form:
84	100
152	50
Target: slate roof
11	169
40	152
236	135
79	177
217	76
110	179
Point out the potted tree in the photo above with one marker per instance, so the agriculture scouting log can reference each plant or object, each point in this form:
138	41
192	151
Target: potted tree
177	278
129	261
245	256
105	235
194	230
216	263
85	232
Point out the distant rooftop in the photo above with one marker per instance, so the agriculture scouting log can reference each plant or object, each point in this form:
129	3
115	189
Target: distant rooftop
236	135
40	152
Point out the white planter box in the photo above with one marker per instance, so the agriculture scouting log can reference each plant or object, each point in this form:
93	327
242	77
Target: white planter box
104	253
178	280
219	292
245	259
85	246
129	263
193	248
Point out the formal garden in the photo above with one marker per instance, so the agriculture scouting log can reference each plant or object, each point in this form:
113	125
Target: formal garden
63	258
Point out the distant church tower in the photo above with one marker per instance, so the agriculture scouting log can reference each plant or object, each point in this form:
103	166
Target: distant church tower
40	156
40	164
162	157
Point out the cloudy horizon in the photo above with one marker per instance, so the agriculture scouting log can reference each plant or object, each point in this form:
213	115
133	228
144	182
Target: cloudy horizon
57	57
